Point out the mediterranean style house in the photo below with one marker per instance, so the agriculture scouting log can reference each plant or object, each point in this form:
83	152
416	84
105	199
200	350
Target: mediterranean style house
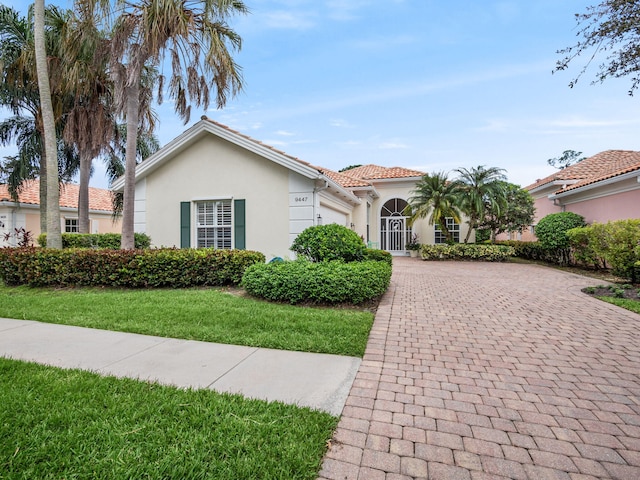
25	213
215	187
601	188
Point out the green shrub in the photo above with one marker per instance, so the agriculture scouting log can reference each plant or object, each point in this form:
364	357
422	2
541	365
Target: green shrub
331	282
378	255
125	268
528	250
96	240
588	245
613	244
467	251
552	233
329	242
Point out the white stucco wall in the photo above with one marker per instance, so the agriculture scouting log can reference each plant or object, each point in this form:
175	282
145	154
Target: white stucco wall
212	169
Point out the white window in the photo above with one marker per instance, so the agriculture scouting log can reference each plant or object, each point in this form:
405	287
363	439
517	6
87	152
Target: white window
213	224
454	229
71	225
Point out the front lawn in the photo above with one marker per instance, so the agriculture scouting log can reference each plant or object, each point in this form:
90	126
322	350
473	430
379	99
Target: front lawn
58	424
209	315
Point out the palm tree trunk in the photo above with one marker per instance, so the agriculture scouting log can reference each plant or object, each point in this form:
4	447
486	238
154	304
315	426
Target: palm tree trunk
83	194
128	209
54	236
43	192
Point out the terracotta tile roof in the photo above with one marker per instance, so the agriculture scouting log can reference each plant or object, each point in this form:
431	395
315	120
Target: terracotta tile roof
604	165
343	179
99	198
376	172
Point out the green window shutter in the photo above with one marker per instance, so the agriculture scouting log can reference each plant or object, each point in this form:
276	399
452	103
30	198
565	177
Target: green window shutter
185	224
239	224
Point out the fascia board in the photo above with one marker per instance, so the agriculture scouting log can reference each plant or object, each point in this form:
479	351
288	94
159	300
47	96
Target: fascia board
412	180
608	181
204	126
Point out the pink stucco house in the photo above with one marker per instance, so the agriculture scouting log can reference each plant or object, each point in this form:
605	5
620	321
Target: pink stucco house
601	188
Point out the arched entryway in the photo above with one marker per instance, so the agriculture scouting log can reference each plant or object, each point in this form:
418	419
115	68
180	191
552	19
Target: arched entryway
394	229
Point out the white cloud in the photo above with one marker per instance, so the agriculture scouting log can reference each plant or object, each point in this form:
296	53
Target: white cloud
392	146
340	123
494	126
385	42
344	10
289	20
582	122
285	133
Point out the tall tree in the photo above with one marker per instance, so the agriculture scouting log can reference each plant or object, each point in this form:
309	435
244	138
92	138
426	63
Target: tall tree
54	234
517	213
194	38
19	93
609	28
568	158
435	198
480	189
90	124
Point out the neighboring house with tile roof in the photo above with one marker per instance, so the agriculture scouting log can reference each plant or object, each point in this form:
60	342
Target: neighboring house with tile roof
212	186
601	188
26	212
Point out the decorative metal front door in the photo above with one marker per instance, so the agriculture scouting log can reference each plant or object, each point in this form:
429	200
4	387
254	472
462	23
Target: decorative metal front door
394	232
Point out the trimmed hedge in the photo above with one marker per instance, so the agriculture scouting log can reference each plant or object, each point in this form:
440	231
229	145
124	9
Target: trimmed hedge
552	230
467	251
323	243
321	283
96	240
378	255
175	268
530	250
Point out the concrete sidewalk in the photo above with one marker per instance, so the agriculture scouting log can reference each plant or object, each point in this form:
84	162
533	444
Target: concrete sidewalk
312	380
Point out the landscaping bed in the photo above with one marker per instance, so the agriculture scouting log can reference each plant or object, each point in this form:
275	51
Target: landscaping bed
627	291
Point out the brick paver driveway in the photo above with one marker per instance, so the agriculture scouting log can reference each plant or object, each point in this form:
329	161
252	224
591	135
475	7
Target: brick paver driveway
482	371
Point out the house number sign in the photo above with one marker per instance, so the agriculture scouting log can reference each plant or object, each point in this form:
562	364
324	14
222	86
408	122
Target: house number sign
301	199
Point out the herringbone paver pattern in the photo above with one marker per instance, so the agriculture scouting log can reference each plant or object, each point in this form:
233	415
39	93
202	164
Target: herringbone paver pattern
479	371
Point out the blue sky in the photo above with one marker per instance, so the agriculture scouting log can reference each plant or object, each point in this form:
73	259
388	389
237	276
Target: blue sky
432	85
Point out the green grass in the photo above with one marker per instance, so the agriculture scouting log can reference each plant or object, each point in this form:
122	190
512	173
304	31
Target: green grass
70	424
633	305
194	314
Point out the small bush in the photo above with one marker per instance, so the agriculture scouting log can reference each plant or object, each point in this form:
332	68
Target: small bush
329	242
39	267
467	251
96	240
378	255
552	233
332	282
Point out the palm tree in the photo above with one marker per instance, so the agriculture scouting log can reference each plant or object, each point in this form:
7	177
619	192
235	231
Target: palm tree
437	198
481	188
90	123
195	38
54	234
18	92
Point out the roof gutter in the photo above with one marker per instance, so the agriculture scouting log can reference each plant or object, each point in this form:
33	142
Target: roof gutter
597	184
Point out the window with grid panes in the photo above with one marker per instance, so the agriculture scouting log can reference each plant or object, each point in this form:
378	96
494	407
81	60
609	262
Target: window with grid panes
71	225
454	229
213	224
